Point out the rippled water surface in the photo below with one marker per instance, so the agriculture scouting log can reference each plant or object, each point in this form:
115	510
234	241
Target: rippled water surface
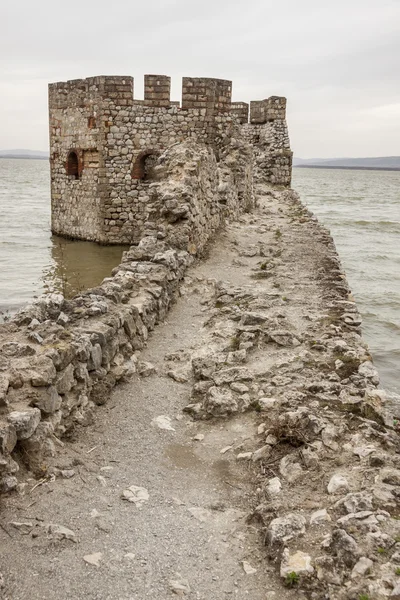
33	261
362	211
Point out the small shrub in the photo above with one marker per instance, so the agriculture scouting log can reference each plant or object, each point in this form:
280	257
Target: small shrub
397	571
292	579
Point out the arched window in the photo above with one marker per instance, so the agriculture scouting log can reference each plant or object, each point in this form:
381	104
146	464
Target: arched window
73	170
143	165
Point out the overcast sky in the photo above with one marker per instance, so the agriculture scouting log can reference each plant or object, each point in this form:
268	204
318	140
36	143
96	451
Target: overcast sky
337	62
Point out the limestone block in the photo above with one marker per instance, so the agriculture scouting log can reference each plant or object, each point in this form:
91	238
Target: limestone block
286	528
25	422
48	400
299	563
65	380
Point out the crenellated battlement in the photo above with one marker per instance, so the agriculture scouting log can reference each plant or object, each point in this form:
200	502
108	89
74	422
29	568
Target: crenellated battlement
201	93
270	109
86	92
105	143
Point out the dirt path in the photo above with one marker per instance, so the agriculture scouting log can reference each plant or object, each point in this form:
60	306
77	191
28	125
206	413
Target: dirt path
189	533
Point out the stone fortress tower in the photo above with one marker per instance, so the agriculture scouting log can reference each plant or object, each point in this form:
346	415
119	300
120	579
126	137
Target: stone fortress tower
105	145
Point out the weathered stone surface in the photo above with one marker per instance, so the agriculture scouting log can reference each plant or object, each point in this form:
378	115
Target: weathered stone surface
96	356
290	469
298	562
145	369
355	502
43	372
8	438
49	401
261	453
4	383
283	529
274	487
65	380
345	547
25	422
337	483
38	448
59	532
362	567
320	516
8	483
16	350
220	402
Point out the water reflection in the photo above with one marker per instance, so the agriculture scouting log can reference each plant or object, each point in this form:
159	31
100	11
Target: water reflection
77	266
32	261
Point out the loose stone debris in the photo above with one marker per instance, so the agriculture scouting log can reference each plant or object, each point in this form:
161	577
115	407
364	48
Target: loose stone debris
163	422
93	559
180	586
248	569
137	495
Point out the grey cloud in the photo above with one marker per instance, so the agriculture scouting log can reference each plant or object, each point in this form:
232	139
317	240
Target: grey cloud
336	62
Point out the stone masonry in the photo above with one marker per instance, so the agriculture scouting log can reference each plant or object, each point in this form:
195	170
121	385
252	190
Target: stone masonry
105	146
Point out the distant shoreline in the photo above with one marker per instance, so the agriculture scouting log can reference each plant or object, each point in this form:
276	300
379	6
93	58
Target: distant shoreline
24	156
347	168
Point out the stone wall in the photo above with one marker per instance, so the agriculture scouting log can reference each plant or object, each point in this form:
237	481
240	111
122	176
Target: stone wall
59	358
268	133
117	140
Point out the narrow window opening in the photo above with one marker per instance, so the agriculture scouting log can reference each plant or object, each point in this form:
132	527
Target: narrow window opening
144	165
92	122
73	165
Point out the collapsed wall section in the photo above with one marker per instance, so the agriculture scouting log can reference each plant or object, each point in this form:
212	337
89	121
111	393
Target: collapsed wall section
59	358
268	133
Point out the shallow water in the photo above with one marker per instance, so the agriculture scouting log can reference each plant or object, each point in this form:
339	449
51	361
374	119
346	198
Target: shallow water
33	261
362	211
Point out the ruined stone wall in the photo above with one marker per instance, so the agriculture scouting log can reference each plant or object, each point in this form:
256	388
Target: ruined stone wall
59	358
268	133
117	141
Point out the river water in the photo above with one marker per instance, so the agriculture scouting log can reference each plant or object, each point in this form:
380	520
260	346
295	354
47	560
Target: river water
33	261
361	209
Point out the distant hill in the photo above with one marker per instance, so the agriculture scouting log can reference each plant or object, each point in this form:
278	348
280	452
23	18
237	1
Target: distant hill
24	154
380	162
